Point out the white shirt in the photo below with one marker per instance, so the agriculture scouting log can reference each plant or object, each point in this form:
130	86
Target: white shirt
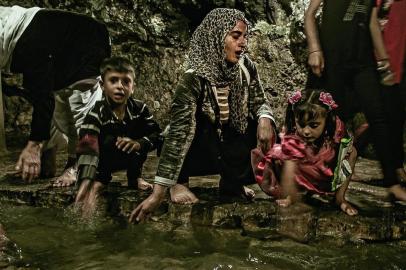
13	21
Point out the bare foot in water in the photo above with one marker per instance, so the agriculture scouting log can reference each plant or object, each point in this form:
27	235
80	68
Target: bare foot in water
285	202
144	185
90	204
67	178
182	195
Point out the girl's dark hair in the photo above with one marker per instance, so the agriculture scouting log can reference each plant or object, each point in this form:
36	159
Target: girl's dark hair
308	108
118	64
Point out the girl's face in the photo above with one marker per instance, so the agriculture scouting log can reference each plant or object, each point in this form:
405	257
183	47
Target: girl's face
235	42
311	129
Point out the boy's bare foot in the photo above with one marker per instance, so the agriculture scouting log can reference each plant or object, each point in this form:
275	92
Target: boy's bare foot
347	208
182	195
285	202
83	191
398	192
144	185
91	202
248	193
67	178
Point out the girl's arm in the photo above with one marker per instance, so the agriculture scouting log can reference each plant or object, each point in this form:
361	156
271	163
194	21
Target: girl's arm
288	183
316	58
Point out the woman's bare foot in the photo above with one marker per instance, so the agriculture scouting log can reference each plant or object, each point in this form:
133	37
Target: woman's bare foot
347	208
144	185
182	195
398	192
285	202
248	193
67	178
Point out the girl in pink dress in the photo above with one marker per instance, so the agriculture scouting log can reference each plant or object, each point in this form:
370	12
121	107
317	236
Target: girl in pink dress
315	153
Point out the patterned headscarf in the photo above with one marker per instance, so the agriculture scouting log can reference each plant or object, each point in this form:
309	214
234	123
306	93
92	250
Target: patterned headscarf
206	56
206	52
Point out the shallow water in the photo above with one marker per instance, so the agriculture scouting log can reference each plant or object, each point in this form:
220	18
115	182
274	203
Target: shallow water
52	239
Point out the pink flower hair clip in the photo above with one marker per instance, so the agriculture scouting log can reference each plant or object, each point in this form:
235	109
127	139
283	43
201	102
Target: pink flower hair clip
295	97
328	100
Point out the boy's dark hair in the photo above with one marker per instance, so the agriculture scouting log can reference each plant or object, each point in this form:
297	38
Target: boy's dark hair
118	64
308	108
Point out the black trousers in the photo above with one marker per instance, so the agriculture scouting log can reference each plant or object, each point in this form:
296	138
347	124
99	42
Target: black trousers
57	49
229	156
364	90
111	159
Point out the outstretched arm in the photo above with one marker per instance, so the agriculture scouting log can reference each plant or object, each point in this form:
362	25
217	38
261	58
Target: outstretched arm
288	184
316	58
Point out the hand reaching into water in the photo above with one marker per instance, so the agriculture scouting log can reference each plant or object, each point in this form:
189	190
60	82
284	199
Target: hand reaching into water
127	145
149	205
29	162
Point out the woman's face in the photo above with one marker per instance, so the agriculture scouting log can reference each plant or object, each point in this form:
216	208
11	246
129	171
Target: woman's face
235	42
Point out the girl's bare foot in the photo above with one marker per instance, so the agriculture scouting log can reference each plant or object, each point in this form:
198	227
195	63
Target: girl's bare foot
182	195
90	205
401	173
144	185
67	178
398	192
347	208
248	193
285	202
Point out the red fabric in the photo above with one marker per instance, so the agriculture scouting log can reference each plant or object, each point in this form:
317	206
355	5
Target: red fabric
314	168
394	35
88	144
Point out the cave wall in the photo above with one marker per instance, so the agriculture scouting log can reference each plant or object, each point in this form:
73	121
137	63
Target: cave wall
155	35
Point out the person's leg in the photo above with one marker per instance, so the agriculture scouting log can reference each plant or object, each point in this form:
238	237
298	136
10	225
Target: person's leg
395	112
236	170
134	171
368	92
201	159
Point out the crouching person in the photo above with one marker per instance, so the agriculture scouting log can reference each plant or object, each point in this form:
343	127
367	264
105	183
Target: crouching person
116	134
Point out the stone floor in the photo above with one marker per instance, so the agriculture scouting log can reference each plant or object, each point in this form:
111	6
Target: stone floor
380	219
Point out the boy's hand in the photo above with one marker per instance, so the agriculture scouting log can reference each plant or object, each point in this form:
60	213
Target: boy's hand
127	145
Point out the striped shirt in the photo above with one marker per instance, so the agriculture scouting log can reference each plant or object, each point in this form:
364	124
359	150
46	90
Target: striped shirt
222	100
101	125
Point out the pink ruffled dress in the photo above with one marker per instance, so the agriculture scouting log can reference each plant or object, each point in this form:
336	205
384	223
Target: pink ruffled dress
315	167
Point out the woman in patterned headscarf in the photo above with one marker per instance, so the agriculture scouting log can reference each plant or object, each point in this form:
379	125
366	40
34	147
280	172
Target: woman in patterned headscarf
219	113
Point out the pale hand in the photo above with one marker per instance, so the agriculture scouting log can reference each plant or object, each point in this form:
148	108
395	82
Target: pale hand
127	145
316	62
29	162
265	134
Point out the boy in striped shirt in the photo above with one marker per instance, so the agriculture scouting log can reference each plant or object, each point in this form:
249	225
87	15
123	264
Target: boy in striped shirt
117	134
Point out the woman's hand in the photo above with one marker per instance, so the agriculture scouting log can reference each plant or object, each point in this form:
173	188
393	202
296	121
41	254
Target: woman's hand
149	205
265	134
127	145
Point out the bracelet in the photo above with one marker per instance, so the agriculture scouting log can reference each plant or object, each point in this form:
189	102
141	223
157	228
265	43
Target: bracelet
314	51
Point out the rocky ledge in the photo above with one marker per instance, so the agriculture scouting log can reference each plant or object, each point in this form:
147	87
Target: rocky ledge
379	219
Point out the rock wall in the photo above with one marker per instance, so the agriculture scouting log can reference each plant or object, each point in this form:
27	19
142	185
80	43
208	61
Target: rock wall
155	34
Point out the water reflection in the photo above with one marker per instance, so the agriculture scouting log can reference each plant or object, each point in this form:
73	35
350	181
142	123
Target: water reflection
54	239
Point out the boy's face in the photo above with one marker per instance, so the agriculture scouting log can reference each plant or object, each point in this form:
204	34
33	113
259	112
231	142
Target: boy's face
118	87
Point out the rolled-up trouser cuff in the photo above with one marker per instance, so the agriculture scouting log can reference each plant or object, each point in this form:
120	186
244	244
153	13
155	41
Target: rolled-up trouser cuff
164	181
